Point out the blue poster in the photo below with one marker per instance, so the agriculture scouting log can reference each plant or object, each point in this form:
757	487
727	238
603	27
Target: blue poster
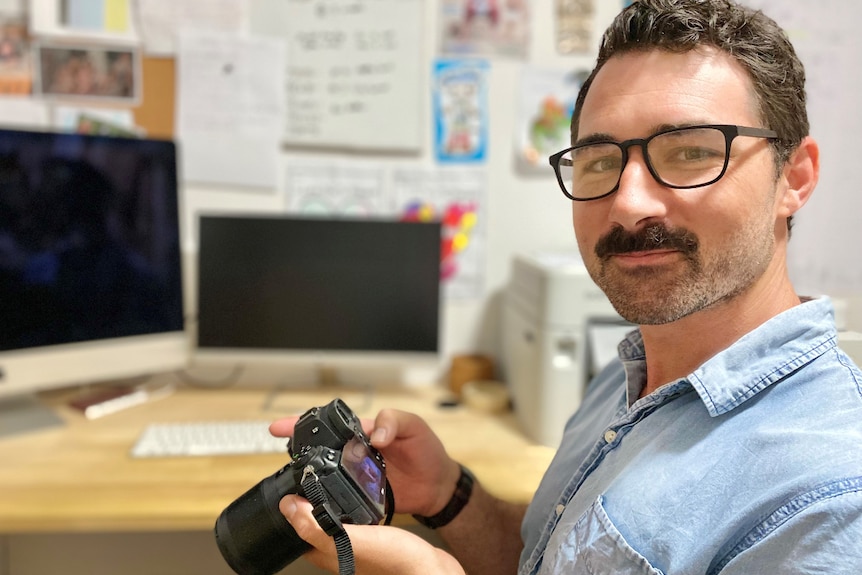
461	110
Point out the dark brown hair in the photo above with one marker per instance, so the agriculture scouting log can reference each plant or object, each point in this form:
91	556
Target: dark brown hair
750	37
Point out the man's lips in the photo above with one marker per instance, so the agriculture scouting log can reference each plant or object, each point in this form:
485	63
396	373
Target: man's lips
640	258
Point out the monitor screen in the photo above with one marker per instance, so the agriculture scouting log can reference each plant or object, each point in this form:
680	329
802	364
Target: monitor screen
314	285
90	276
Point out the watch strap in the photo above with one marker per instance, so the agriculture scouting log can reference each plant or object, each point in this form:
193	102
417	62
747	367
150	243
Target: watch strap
463	490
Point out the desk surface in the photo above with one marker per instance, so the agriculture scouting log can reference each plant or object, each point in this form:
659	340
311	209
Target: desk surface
79	477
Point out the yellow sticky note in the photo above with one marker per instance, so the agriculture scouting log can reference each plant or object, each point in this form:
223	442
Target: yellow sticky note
117	15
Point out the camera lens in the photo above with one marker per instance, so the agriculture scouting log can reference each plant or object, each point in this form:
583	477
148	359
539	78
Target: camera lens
253	536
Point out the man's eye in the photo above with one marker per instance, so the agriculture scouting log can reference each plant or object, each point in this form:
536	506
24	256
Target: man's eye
601	165
694	154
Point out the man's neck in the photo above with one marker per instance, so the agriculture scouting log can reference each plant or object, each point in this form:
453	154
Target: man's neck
676	349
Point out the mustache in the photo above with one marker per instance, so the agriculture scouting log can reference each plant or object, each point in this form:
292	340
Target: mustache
653	237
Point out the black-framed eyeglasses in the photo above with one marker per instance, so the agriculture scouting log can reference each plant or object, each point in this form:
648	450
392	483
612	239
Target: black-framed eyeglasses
680	158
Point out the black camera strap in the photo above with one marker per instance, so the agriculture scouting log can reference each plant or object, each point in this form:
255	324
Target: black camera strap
328	520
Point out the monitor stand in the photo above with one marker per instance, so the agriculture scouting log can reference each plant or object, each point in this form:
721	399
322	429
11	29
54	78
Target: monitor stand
327	382
25	413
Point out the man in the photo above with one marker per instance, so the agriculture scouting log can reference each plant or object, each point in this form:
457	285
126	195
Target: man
727	438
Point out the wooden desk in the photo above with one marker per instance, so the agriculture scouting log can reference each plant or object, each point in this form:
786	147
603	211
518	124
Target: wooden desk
80	478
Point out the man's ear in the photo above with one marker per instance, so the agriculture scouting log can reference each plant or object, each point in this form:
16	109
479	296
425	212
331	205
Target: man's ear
798	177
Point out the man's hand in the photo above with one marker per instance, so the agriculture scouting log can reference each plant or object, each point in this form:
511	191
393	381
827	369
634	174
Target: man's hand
423	479
421	473
378	549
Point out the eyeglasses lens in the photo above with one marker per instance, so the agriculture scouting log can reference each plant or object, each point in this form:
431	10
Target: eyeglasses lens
683	158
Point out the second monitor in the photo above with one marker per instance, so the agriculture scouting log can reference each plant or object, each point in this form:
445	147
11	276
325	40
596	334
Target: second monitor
322	292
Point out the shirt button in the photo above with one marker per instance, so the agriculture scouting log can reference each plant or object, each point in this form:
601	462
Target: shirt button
610	435
559	509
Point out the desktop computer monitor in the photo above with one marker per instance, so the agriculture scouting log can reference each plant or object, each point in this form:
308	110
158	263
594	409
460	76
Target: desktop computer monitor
90	278
334	294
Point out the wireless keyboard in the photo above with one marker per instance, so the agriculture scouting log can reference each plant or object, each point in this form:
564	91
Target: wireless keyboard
207	438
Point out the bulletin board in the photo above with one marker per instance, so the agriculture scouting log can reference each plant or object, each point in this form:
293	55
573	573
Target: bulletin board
155	113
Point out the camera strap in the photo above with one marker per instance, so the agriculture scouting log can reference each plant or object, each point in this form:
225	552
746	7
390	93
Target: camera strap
328	520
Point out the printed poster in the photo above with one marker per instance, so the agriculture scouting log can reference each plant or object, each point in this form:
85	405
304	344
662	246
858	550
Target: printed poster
575	24
460	110
547	100
484	27
455	197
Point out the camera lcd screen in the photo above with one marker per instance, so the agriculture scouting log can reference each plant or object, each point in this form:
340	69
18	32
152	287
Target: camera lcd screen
363	468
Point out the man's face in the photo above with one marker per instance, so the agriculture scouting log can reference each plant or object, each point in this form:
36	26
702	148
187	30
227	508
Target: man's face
692	248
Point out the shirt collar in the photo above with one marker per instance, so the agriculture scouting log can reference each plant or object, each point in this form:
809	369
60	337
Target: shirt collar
754	362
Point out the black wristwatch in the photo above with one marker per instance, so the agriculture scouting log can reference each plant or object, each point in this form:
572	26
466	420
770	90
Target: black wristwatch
463	489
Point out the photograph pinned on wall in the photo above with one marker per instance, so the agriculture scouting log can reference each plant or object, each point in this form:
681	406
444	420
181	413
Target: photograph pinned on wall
93	72
545	110
460	110
16	76
575	22
484	27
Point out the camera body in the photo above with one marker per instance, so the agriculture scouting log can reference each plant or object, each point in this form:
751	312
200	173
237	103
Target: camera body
328	442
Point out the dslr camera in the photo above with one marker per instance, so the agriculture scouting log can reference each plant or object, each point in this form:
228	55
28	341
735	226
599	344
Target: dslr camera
329	446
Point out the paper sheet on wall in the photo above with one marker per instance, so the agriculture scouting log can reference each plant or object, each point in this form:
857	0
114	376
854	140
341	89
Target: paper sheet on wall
456	197
229	108
336	188
354	71
23	113
161	20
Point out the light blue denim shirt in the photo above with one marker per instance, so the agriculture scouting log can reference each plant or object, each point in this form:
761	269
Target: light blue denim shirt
750	465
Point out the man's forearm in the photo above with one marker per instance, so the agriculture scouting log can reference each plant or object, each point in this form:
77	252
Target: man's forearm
485	537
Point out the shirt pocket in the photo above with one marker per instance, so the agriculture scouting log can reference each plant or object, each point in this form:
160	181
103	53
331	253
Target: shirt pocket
594	546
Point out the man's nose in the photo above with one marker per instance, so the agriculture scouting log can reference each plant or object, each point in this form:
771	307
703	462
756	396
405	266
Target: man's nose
640	196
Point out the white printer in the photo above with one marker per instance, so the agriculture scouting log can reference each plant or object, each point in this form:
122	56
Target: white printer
558	330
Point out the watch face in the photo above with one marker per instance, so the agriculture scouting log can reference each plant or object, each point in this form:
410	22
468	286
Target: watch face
364	469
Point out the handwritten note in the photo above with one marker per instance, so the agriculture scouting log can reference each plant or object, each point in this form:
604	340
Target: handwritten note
354	71
229	108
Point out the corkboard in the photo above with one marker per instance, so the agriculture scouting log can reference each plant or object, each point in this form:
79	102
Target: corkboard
155	114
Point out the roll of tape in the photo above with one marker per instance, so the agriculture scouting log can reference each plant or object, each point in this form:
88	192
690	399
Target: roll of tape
485	395
467	368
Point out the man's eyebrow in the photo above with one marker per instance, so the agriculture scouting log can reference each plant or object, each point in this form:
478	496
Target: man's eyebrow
603	137
595	138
